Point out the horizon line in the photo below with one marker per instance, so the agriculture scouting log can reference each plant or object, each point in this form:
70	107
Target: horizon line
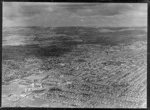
75	26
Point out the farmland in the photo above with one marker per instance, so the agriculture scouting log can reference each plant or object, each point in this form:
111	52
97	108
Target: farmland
75	67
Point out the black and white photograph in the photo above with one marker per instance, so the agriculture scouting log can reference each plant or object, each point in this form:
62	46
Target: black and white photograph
74	55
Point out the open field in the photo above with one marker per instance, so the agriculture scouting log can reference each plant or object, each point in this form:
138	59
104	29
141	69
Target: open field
75	67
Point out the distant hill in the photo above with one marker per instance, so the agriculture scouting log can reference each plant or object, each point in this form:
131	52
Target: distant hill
56	41
71	35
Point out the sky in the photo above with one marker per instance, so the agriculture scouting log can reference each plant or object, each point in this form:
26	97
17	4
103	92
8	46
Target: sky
74	14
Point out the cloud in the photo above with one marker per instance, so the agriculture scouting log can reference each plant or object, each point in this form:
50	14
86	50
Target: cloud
74	14
10	11
105	9
109	9
13	10
76	6
28	10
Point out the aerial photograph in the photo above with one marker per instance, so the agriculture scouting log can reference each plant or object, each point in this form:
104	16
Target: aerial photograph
74	55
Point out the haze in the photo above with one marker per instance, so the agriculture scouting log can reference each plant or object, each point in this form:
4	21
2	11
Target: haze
74	14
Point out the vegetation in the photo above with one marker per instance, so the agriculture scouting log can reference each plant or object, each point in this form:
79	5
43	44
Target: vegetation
80	66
